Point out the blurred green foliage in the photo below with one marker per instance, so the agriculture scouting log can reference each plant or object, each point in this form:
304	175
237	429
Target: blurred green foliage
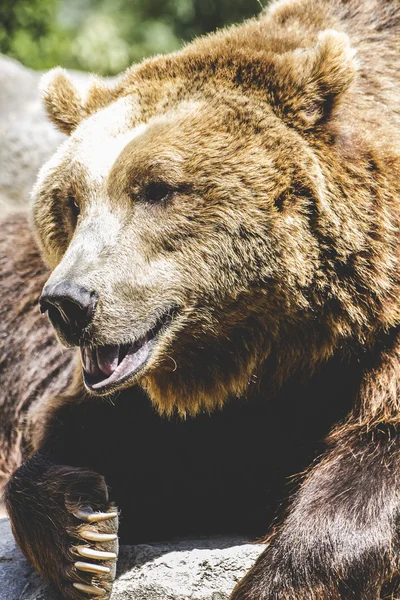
105	36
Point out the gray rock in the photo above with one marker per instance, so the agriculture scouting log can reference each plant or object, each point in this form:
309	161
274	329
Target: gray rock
27	138
203	569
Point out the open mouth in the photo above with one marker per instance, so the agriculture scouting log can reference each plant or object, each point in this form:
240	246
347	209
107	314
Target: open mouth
107	366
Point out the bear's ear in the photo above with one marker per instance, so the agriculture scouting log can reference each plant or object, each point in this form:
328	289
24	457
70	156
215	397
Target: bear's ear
311	81
62	100
66	105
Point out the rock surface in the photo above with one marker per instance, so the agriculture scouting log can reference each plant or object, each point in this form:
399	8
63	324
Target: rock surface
27	138
184	570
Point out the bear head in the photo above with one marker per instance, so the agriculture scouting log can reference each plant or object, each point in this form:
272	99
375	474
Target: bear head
189	200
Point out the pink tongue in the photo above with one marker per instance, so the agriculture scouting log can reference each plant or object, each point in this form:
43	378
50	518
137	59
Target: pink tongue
107	358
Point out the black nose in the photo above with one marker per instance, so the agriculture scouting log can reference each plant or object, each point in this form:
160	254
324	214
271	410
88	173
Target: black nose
71	308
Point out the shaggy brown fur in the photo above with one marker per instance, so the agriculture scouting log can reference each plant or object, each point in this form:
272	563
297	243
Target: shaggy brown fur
241	199
32	366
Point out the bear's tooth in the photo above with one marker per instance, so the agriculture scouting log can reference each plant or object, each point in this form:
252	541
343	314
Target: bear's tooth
89	361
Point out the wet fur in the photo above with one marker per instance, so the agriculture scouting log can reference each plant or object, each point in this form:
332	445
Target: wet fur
290	331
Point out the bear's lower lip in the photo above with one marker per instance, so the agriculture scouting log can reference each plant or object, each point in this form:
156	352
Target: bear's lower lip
106	367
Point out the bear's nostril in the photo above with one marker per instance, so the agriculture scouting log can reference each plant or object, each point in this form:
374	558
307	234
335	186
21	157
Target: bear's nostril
66	313
58	317
70	307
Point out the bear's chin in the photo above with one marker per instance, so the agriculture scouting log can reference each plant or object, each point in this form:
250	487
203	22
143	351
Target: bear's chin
180	379
184	392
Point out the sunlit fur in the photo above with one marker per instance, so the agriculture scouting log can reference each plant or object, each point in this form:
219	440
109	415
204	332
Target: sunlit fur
284	218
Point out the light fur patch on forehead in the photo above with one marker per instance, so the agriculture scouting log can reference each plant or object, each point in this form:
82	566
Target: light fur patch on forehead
97	142
100	139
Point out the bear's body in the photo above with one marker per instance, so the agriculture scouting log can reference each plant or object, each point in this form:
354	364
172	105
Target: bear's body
33	367
223	228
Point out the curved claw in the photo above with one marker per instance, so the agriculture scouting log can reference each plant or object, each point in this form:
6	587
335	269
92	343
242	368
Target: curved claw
89	589
96	554
90	516
91	568
93	536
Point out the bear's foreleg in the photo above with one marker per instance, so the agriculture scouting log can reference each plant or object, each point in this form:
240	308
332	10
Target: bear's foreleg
65	525
340	539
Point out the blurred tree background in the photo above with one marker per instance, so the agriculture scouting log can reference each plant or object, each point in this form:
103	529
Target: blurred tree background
106	36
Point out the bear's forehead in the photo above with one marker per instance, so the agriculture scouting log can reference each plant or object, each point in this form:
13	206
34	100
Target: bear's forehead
96	144
94	147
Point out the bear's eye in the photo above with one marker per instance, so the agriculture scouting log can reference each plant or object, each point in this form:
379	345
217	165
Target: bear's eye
157	192
73	206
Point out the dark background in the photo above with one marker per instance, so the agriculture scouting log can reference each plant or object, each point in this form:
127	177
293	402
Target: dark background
106	36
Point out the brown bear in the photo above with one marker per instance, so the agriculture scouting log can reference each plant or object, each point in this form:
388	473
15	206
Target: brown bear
222	227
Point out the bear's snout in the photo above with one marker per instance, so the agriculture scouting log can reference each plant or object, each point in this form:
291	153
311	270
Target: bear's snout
70	307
